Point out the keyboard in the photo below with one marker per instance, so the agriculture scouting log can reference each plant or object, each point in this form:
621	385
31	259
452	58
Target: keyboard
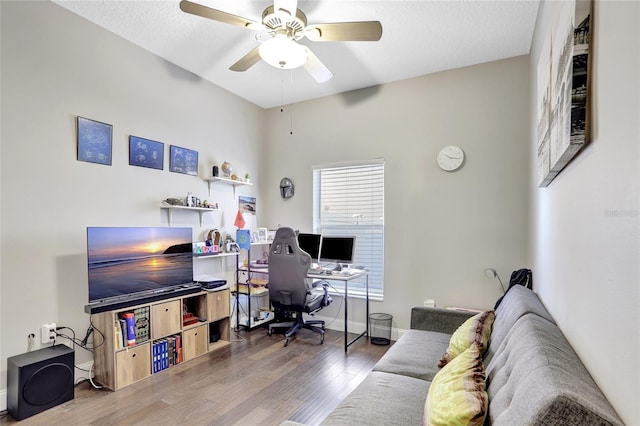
347	272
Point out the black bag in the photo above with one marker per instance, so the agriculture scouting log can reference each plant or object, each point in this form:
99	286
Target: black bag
521	277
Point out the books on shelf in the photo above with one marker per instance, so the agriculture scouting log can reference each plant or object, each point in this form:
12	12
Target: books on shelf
142	322
188	319
132	328
119	344
159	356
123	332
166	353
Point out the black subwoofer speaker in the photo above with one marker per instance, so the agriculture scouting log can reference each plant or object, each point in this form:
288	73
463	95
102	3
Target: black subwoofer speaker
39	380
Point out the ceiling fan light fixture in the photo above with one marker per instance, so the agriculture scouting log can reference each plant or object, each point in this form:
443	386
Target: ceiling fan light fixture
282	52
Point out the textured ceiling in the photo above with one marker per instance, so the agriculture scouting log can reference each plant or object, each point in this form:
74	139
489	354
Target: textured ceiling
419	37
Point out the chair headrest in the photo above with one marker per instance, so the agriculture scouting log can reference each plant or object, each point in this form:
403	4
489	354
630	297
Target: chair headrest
285	233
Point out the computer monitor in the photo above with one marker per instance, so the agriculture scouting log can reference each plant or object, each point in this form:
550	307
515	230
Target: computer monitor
310	243
337	249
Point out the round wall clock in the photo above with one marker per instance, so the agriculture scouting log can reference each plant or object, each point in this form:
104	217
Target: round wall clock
450	158
286	188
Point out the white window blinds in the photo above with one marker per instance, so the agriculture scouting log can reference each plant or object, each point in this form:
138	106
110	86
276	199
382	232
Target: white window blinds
348	199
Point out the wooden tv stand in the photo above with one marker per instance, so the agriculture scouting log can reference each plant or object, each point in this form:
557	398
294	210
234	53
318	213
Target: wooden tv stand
116	368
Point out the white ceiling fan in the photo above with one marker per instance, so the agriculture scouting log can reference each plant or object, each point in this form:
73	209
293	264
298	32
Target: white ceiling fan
286	24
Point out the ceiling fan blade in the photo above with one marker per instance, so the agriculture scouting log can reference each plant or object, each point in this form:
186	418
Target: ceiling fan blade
217	15
345	31
247	61
316	68
290	6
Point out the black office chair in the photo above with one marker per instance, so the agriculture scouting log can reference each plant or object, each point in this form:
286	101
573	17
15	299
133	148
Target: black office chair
288	288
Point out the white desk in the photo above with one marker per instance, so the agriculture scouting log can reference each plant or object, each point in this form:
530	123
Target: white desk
345	279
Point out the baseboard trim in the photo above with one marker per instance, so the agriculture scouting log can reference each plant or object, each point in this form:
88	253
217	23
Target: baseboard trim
83	371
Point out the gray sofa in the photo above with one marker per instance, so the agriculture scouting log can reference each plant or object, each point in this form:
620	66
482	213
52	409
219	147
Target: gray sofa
533	375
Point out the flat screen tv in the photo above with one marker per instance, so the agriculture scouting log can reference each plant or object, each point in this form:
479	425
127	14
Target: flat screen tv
132	261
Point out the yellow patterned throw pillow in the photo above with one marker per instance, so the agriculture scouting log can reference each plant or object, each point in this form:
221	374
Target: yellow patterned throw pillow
475	329
457	395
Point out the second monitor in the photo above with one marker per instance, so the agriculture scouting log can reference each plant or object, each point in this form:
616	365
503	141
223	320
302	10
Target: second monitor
337	250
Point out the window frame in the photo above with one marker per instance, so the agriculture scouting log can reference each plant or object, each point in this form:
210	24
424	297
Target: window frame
372	232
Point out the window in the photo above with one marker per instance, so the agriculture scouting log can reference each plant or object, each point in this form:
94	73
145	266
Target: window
348	199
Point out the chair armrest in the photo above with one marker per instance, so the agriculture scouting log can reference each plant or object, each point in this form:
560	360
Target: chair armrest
438	319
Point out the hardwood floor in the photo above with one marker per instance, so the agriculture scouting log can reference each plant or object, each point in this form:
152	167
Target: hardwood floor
254	381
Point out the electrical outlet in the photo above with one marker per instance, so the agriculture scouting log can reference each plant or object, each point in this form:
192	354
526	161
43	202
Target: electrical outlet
48	332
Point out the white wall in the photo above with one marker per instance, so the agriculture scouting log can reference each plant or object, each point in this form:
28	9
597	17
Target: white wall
441	229
55	66
585	225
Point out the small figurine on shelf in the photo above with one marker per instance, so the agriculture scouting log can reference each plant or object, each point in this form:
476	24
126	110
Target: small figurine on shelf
247	178
174	201
208	205
189	200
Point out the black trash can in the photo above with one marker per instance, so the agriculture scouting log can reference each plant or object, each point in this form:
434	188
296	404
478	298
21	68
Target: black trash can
380	328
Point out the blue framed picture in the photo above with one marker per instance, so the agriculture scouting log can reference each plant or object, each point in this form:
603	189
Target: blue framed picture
94	141
183	160
146	153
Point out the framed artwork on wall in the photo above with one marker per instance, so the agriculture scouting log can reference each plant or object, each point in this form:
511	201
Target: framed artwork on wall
183	160
247	205
94	141
146	153
563	89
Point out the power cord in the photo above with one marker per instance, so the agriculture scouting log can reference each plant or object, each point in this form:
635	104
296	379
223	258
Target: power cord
341	301
84	344
236	330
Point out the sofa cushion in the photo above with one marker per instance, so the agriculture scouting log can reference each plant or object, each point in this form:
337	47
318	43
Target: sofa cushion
442	320
476	329
517	302
457	395
415	354
535	377
382	399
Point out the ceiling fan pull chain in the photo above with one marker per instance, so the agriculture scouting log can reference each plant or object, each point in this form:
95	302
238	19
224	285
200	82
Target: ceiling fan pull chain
291	109
291	119
281	95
